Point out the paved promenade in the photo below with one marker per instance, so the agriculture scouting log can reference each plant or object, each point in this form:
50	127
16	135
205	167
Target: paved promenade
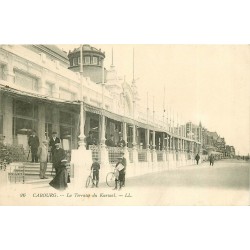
225	183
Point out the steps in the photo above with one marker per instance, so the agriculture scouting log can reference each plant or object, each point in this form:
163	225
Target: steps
33	169
27	172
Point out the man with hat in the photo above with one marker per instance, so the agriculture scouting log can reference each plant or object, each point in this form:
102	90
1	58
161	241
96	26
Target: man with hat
90	140
43	158
121	168
58	156
34	144
52	143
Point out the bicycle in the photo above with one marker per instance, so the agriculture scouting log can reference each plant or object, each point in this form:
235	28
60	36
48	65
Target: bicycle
89	180
113	176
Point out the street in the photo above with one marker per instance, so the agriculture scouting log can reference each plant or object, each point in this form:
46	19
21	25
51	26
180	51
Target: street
225	183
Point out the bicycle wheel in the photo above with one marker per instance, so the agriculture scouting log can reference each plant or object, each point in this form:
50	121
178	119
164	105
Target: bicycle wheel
88	181
110	179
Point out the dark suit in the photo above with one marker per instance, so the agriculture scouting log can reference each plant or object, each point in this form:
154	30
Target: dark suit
95	167
52	144
59	155
124	163
90	141
34	144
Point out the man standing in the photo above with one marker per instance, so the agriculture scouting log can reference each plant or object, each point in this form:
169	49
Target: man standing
120	170
211	159
58	156
52	143
43	158
110	142
197	158
34	144
90	140
124	163
95	168
121	143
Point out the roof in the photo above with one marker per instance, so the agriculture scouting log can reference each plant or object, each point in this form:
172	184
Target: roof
87	47
51	50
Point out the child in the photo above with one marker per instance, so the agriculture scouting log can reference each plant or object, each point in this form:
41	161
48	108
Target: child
95	168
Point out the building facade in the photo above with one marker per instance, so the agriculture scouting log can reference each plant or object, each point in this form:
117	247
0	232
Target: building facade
41	91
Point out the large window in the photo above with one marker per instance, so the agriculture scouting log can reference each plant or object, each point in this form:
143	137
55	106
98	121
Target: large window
25	109
26	81
24	121
48	122
67	123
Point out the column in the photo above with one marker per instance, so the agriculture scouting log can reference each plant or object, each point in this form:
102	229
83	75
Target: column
148	145
82	143
135	152
7	119
103	148
154	151
125	138
41	122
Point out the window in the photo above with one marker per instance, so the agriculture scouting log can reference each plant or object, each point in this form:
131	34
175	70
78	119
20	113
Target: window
75	61
1	124
66	118
87	60
23	109
94	60
26	81
2	77
48	114
79	60
49	87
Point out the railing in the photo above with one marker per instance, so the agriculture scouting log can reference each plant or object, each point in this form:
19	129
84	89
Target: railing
159	155
142	155
95	152
114	153
17	173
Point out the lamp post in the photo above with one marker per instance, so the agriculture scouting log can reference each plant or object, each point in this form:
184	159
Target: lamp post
81	142
103	117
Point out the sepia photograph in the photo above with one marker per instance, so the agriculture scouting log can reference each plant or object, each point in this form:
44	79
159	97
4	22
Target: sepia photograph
124	124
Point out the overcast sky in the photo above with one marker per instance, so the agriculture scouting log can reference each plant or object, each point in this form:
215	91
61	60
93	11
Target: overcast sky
207	83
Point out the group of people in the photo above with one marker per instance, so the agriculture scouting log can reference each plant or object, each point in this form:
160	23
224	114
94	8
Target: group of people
58	155
90	140
210	158
120	172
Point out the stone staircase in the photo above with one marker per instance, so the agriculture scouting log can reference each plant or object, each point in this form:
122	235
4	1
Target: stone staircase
33	169
28	172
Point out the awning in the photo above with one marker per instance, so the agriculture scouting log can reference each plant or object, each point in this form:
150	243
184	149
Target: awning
18	93
92	109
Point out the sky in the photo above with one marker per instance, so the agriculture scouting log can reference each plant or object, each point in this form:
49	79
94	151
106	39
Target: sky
207	83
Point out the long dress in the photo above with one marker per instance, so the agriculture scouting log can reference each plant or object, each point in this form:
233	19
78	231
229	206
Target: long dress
61	178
